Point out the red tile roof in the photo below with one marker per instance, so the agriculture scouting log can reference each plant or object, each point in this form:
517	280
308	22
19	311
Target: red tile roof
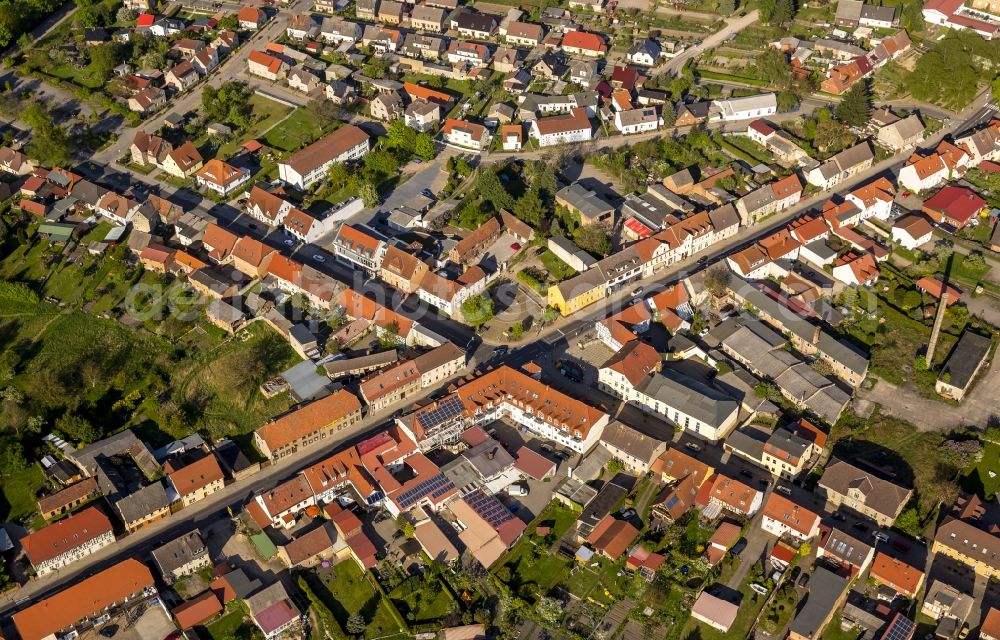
898	575
958	203
612	537
58	538
308	419
786	512
87	597
533	464
199	609
197	475
584	40
635	360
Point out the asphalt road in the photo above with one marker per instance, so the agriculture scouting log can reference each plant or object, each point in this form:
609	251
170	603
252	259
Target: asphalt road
980	111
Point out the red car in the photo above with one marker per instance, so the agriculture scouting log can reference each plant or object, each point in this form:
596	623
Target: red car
515	246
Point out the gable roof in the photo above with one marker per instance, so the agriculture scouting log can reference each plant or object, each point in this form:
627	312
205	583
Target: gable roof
309	418
197	475
65	535
85	598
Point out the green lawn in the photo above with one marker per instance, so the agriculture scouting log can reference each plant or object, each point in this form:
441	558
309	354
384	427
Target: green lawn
162	369
750	148
267	113
780	611
750	607
977	479
232	626
890	443
17	494
558	269
420	602
344	589
601	583
296	131
834	632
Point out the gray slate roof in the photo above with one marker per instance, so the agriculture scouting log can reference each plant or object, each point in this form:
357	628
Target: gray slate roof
143	502
697	399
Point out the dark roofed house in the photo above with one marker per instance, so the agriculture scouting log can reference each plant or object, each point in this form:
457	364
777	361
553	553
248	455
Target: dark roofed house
962	366
854	488
827	591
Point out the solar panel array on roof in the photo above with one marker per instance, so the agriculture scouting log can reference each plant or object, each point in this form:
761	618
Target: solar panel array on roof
449	408
375	498
489	508
434	487
901	628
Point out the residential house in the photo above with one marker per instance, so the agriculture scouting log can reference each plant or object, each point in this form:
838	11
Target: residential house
563	129
845	485
912	231
612	537
582	43
144	506
843	551
944	601
64	542
184	161
902	134
390	12
181	557
308	425
466	135
266	66
251	18
301	26
402	270
845	164
221	177
637	120
635	450
902	578
924	172
645	52
474	25
955	206
273	611
512	136
782	518
745	108
729	494
197	480
692	114
147	100
306	166
525	34
386	106
427	18
358	247
856	269
146	149
84	602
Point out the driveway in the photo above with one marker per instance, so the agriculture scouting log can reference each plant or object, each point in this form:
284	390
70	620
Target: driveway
978	409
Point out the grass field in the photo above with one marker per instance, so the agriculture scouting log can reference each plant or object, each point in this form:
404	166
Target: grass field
558	269
977	479
267	113
883	441
296	131
163	372
17	494
420	602
344	589
233	627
